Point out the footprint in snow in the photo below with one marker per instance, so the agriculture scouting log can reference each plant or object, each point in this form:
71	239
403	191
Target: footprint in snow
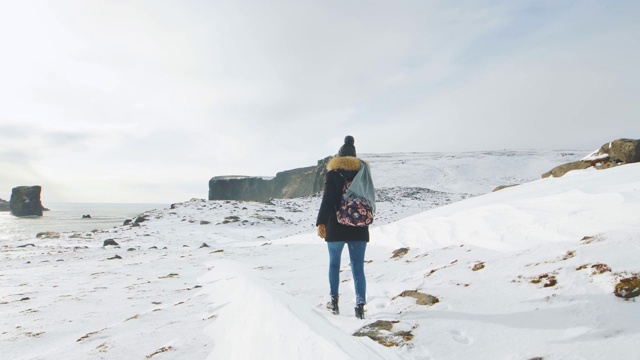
460	337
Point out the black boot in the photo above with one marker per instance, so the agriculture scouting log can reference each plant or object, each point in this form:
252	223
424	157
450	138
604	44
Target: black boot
359	311
333	305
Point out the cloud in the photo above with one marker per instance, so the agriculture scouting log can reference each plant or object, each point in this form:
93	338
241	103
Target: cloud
570	85
123	92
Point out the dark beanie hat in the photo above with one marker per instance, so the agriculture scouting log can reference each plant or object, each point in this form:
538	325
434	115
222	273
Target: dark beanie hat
348	149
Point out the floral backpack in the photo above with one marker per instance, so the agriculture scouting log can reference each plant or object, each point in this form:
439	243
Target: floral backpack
353	210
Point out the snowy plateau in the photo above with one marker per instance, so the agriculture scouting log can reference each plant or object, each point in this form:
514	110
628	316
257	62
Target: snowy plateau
527	272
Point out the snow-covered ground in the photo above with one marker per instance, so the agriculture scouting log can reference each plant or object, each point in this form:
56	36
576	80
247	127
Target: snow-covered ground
526	272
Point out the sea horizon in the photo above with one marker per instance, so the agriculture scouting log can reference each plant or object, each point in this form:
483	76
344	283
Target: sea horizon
68	217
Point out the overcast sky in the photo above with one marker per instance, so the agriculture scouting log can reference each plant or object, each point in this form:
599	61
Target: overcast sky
145	101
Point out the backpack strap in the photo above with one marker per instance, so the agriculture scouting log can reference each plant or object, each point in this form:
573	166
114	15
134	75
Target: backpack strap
342	190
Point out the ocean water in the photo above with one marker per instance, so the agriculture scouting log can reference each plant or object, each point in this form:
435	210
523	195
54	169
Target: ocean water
64	217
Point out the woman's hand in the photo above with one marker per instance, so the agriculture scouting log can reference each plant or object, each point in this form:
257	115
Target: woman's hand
322	231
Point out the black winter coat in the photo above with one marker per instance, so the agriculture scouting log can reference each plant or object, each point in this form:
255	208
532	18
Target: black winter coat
348	166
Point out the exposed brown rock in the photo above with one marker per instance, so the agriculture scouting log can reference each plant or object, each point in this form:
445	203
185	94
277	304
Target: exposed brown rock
48	235
546	279
622	150
600	269
399	253
560	170
628	288
498	188
421	299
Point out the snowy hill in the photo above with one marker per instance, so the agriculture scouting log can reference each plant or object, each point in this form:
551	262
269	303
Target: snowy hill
475	172
527	272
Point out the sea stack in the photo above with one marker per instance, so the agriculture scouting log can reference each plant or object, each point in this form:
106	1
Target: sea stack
4	205
25	201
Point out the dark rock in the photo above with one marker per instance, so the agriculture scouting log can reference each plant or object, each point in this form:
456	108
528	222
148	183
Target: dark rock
203	245
131	249
171	275
110	242
139	219
285	185
204	222
88	216
25	245
25	201
230	219
4	205
126	222
116	257
153	247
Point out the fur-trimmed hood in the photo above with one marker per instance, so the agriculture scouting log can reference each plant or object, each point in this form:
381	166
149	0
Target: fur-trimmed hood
344	163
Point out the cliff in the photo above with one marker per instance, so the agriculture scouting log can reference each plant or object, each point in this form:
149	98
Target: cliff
285	185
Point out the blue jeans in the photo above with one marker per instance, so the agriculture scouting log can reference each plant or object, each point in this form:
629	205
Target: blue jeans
356	255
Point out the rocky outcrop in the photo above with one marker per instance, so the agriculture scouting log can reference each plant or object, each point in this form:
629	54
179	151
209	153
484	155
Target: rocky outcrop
565	168
382	332
615	153
25	201
621	151
285	185
4	205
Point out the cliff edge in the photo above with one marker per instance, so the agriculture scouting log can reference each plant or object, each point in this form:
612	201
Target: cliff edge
287	184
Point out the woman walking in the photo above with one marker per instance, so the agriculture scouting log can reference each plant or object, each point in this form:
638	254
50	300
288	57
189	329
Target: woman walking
345	168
